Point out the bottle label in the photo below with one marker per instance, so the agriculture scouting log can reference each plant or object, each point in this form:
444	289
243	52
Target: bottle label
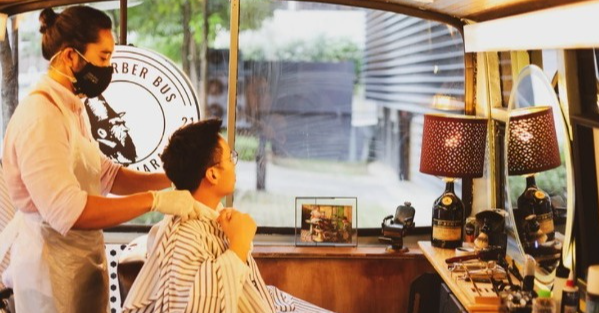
592	306
546	222
447	230
570	309
446	201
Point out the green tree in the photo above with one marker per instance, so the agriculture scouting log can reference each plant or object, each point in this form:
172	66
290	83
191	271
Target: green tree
183	30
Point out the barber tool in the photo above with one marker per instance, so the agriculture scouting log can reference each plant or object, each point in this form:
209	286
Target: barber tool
503	263
482	287
529	273
473	282
395	228
460	251
491	224
517	300
490	253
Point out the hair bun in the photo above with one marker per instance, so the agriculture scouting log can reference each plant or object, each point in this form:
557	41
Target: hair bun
47	19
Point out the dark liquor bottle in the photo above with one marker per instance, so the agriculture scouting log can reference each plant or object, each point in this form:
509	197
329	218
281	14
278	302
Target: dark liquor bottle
448	219
535	201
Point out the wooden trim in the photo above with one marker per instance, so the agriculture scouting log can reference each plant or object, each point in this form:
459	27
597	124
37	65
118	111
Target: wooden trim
233	80
123	23
401	9
469	109
286	252
25	6
12	9
586	214
584	120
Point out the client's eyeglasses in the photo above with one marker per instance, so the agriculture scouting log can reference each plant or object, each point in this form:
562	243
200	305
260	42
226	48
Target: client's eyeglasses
234	156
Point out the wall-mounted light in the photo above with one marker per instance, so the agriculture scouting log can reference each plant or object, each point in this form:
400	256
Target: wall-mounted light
564	27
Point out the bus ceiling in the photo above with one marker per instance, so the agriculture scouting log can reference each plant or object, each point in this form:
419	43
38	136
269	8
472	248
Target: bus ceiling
449	11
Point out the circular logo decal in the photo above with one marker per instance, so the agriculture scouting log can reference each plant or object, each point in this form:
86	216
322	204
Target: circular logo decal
148	99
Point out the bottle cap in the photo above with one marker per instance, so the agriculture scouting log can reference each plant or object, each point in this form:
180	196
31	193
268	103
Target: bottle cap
570	281
593	280
544	293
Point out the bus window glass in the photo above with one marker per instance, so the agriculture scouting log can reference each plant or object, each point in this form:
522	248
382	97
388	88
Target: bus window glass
330	103
330	98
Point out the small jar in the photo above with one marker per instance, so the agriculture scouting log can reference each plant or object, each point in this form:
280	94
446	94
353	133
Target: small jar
470	230
544	303
592	300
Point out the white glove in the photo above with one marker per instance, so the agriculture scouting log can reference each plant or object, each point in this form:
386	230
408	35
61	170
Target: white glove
175	202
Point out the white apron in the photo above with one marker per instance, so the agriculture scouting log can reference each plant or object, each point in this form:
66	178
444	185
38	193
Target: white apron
50	272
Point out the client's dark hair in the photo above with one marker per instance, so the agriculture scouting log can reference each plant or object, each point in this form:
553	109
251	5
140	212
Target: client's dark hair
191	150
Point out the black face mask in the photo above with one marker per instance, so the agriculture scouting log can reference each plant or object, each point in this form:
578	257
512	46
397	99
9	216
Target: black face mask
92	80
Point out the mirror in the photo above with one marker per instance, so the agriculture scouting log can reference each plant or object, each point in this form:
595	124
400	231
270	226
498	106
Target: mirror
538	170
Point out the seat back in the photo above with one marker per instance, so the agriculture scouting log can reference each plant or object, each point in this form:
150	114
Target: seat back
126	273
7	212
424	293
130	263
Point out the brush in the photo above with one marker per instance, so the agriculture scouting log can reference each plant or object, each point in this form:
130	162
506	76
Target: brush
529	273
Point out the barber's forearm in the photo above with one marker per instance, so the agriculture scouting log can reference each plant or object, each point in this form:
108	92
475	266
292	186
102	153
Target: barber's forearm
129	181
101	212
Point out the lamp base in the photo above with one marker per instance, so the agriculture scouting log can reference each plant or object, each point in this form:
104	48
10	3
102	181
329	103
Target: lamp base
448	219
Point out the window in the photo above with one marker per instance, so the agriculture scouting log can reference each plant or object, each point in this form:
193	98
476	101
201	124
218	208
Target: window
330	98
331	102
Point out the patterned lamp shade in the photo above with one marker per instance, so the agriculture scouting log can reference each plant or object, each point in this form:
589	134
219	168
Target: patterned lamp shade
453	145
532	141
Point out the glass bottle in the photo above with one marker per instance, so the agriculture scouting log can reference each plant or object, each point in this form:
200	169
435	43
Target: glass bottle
535	201
448	219
543	303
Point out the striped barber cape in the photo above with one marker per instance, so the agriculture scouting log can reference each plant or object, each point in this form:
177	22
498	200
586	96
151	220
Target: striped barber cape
190	269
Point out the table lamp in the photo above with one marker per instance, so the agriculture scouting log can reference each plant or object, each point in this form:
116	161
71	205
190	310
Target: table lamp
453	146
532	148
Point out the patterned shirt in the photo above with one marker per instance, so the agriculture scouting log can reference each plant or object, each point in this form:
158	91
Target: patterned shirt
191	269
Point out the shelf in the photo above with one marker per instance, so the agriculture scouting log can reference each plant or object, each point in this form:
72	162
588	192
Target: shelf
461	290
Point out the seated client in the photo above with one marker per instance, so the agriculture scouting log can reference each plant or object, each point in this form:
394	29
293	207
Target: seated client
205	265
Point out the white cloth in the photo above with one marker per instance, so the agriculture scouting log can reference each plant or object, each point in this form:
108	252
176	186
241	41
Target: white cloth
191	269
7	212
53	268
38	155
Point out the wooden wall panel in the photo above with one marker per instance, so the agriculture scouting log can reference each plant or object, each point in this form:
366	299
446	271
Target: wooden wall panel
347	285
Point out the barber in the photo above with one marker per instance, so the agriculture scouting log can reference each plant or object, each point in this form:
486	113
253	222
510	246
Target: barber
57	176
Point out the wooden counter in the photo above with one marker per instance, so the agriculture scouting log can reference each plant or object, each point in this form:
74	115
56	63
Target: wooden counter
346	280
461	290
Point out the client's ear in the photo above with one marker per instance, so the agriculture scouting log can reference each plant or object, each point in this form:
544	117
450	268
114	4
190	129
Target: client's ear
212	175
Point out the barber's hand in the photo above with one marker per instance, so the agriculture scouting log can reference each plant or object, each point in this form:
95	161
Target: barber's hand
240	228
176	202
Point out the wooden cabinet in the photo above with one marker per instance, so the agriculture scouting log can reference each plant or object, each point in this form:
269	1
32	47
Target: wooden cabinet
347	280
448	303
